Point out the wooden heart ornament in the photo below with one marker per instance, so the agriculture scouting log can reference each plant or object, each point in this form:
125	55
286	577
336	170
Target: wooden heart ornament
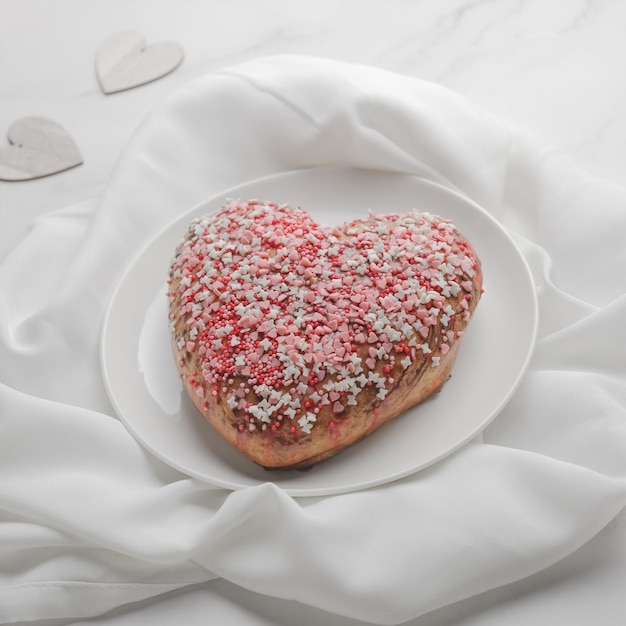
40	147
124	61
295	340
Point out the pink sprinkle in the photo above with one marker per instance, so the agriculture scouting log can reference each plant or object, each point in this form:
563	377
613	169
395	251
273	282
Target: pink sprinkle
247	321
338	407
319	357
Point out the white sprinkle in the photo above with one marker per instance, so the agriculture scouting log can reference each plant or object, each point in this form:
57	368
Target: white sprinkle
232	402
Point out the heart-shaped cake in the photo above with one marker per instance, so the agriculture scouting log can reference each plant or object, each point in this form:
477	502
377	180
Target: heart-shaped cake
295	340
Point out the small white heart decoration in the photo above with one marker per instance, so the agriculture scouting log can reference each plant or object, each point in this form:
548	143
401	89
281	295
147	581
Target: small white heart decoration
40	147
124	61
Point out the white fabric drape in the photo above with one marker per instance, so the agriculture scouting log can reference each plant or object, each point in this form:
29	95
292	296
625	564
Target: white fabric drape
90	521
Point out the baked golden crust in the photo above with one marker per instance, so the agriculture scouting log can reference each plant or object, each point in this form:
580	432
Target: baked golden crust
295	340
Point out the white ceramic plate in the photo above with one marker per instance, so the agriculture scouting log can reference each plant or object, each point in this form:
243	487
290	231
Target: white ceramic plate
143	384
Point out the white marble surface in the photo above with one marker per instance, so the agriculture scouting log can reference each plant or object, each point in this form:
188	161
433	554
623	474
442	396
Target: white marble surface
554	66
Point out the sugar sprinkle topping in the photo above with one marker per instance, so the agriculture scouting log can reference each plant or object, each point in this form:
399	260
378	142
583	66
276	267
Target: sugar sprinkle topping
289	317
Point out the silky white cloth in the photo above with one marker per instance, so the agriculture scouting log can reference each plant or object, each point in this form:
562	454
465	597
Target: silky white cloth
90	521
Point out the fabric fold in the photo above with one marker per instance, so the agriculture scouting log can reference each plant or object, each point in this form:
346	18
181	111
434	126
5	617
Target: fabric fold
131	519
89	520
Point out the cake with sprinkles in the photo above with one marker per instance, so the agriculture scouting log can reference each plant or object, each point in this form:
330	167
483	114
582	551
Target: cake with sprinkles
295	340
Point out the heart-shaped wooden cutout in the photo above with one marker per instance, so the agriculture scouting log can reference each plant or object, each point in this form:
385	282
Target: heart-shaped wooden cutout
125	61
295	340
40	147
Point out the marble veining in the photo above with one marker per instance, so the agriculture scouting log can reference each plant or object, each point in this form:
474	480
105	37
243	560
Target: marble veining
555	67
